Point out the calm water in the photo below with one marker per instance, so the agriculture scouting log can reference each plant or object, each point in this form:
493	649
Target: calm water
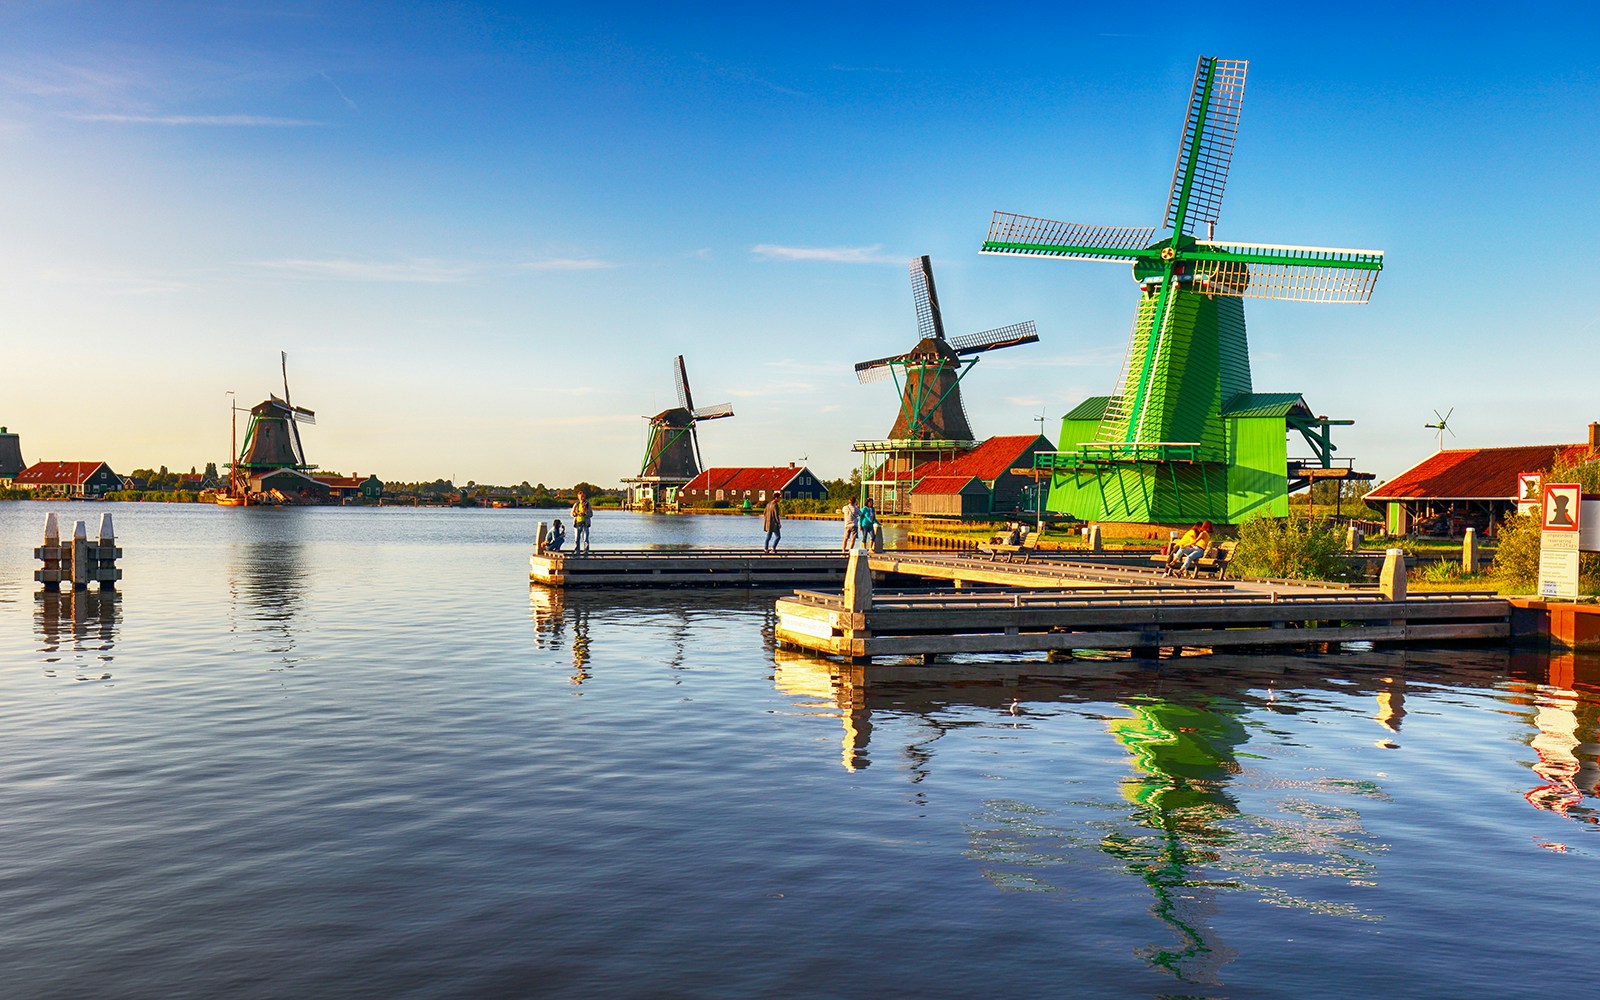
325	753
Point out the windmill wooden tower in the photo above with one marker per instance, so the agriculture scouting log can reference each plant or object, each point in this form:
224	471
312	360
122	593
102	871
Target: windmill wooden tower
672	450
1184	437
271	440
932	421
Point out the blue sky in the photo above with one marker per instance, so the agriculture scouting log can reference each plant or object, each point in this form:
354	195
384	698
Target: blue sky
483	231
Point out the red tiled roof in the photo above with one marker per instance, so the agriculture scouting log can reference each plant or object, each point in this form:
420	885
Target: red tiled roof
943	485
989	460
776	477
51	473
1474	473
340	482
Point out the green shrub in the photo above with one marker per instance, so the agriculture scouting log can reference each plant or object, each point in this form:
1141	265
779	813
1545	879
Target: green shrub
1291	549
1516	557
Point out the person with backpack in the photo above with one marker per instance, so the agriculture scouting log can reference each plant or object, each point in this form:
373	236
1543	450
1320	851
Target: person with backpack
582	514
851	515
772	521
867	525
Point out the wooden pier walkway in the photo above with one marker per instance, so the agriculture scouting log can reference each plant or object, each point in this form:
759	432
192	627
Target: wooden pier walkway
1059	605
789	568
927	625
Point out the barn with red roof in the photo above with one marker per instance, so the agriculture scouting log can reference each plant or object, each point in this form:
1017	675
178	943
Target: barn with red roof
979	482
73	479
732	487
1459	488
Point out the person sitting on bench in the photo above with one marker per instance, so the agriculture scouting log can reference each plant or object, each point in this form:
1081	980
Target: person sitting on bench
1191	555
1177	549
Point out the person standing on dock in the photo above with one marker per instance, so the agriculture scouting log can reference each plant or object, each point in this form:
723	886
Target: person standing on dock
867	523
772	521
582	514
850	512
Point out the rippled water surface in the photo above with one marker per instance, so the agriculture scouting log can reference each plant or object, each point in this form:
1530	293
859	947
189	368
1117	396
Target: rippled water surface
325	753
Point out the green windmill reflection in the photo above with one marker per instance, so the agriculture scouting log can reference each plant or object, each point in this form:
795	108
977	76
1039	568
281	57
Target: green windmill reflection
1183	757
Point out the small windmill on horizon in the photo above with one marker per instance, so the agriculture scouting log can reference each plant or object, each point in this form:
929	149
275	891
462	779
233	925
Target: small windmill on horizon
672	448
1443	425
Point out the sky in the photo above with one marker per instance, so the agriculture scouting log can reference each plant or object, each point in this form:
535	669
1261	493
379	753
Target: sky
483	231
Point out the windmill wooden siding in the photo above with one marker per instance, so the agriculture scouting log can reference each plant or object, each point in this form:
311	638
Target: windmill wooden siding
73	479
731	487
11	463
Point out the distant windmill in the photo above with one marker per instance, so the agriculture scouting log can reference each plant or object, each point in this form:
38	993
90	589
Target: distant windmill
272	440
673	449
929	375
1442	426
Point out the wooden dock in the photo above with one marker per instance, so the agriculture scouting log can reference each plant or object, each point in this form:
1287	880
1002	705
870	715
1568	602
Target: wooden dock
928	625
788	568
1065	605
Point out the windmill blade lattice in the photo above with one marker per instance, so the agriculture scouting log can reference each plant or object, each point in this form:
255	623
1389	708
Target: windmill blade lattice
876	370
714	412
1029	236
989	340
1206	148
681	375
929	321
1289	273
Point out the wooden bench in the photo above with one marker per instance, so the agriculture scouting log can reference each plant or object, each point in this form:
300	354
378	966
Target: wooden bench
1028	546
1214	561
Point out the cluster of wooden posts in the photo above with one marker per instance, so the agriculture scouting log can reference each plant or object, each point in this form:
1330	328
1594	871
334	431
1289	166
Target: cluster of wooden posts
80	560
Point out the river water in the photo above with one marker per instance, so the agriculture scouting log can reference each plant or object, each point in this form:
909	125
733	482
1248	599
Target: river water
330	752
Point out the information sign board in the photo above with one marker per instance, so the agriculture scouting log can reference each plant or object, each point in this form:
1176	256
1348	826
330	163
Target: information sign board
1558	541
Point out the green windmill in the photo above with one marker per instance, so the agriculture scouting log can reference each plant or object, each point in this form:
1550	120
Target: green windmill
1185	437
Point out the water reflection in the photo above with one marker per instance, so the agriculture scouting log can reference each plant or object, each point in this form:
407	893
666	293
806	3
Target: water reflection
267	586
550	620
564	619
78	627
1561	688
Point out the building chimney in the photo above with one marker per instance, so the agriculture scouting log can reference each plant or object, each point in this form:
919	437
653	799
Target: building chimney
1594	438
1591	440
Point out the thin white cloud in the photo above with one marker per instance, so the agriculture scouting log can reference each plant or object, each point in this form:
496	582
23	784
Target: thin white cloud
832	255
567	264
246	121
427	272
110	282
340	91
772	389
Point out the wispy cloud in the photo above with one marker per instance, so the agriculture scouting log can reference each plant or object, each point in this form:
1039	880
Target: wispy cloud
772	389
111	283
567	264
832	255
247	121
340	91
426	272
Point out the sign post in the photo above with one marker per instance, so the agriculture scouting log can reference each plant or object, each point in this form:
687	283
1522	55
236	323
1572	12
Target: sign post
1558	540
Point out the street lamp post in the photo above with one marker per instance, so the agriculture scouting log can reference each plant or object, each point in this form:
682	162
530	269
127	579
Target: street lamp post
1038	485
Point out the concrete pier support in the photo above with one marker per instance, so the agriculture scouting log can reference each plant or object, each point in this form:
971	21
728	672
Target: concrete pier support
1095	543
1469	551
858	582
1392	579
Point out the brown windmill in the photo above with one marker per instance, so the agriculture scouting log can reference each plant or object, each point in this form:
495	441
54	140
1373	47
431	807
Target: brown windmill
932	422
672	453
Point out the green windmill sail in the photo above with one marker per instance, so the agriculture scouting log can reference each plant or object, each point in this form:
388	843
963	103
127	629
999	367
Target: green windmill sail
1184	436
